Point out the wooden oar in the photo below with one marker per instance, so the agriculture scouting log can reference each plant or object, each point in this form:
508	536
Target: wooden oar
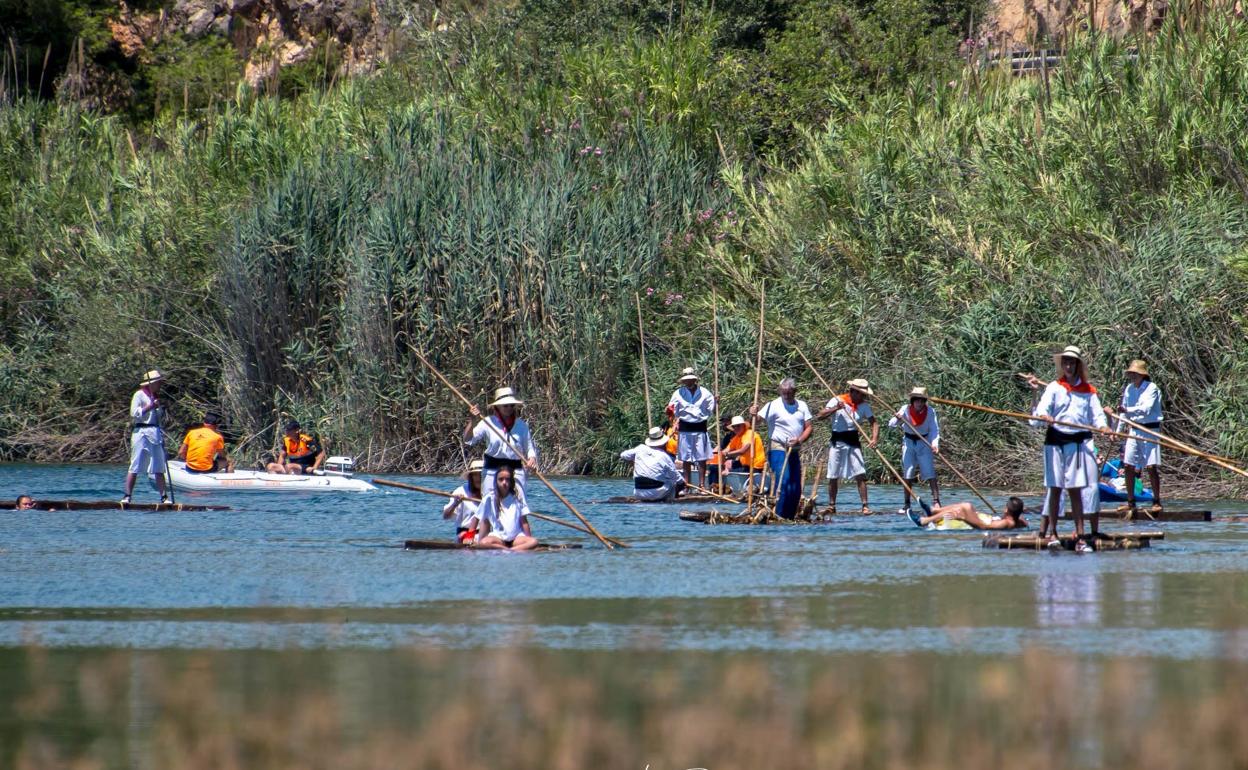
942	458
534	514
861	430
645	376
719	473
507	441
1024	416
1177	446
758	374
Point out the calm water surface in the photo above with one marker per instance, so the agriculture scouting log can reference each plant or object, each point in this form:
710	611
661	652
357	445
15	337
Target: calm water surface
325	571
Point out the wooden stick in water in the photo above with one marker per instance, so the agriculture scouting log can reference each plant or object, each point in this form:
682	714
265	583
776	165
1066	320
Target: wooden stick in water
711	493
645	376
758	374
719	472
570	525
948	464
507	440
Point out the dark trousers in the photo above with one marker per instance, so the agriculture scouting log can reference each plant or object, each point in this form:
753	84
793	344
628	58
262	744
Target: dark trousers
790	482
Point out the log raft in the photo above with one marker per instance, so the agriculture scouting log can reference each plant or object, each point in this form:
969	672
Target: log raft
451	545
686	499
1104	541
111	505
748	519
1142	515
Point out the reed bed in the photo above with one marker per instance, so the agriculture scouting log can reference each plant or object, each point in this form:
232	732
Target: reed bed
531	709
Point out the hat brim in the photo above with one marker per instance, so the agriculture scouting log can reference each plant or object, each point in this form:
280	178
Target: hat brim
688	377
152	381
470	471
507	401
865	391
656	442
1136	370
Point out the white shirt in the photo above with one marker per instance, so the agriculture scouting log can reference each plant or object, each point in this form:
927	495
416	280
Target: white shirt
929	428
651	463
785	421
693	406
466	508
842	419
505	518
496	447
1081	408
1142	404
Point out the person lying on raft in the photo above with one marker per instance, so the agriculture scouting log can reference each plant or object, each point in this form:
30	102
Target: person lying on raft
24	503
654	472
965	512
465	502
502	519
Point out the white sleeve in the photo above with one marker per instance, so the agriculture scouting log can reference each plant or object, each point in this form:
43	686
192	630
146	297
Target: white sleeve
479	433
895	420
710	402
673	401
934	438
458	495
629	455
1098	413
136	405
1045	406
529	445
806	415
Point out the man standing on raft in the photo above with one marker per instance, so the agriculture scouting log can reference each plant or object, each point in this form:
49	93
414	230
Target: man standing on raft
1141	404
147	446
920	440
1069	462
694	405
845	461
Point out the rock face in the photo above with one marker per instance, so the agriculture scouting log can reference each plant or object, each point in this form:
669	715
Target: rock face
268	34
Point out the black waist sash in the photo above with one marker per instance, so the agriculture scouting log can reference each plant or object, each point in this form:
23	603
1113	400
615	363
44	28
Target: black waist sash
846	437
1055	437
692	427
493	463
1150	425
642	482
915	436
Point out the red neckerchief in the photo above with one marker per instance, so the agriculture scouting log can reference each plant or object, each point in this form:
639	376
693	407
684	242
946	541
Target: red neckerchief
1082	387
917	416
507	424
849	402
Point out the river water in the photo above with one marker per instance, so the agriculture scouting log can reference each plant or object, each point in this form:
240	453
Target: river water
326	572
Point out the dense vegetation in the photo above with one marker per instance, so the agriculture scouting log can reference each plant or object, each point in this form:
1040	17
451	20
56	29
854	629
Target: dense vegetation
500	190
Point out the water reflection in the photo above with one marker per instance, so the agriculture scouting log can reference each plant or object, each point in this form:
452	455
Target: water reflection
1065	599
1141	595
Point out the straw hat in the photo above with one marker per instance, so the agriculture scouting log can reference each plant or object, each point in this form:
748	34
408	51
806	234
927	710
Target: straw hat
505	396
687	374
476	466
1073	351
860	385
737	421
656	438
1138	367
917	392
151	377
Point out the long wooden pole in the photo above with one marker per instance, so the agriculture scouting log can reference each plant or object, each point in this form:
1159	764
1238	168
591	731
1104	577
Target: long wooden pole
758	381
719	472
507	441
861	430
942	458
1170	443
645	375
713	493
1023	416
440	493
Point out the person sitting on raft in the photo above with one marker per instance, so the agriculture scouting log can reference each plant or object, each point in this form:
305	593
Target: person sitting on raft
509	444
203	449
299	453
965	512
745	448
654	473
503	517
465	502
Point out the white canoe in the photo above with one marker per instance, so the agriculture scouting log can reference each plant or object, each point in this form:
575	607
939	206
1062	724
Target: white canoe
259	481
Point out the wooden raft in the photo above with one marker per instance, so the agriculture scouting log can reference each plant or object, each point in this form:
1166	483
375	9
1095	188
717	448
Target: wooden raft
682	500
110	505
1142	515
1117	541
450	545
747	519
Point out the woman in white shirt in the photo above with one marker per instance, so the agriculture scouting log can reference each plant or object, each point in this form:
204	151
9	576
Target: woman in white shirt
788	426
464	503
1069	461
508	444
503	518
1141	404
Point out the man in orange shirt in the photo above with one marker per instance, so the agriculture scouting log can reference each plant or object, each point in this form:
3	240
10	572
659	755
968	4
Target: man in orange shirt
298	453
203	449
745	447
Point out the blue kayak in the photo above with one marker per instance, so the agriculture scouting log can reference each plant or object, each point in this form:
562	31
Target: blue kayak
1113	471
